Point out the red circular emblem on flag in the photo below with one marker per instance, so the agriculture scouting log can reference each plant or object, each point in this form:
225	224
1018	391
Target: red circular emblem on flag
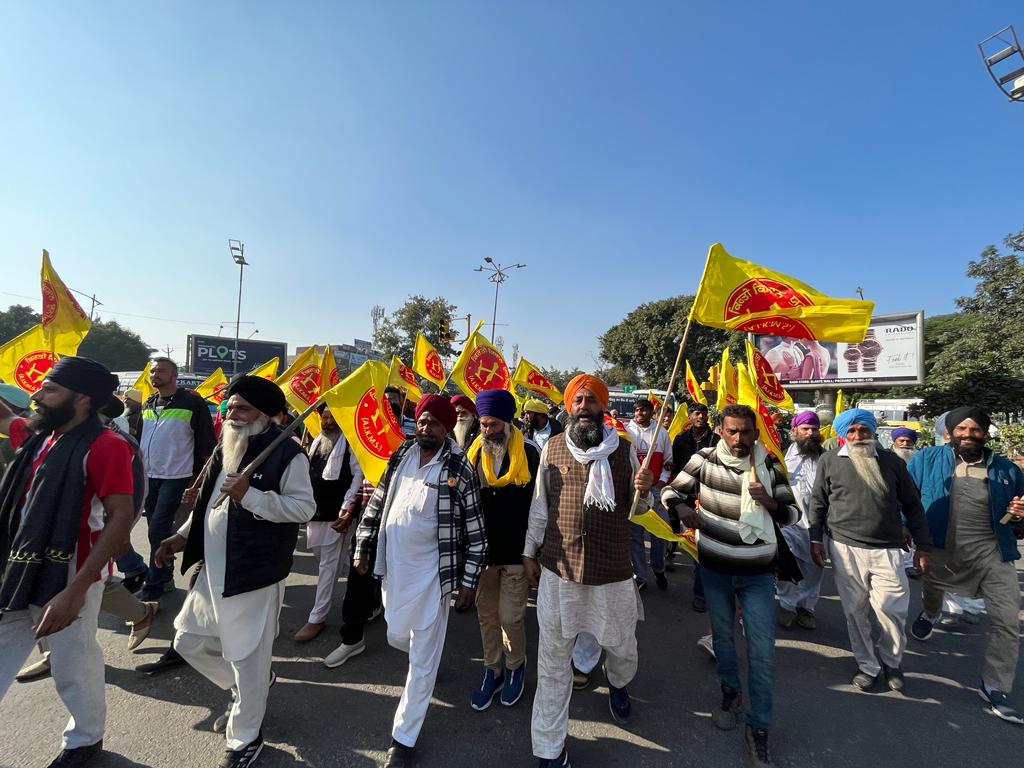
535	379
486	370
334	378
767	381
763	294
31	369
49	302
769	424
407	375
217	396
369	421
434	367
306	383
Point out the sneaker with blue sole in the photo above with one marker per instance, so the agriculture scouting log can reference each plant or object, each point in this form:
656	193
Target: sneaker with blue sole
489	688
515	682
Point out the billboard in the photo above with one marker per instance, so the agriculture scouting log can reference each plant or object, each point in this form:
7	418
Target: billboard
208	353
892	353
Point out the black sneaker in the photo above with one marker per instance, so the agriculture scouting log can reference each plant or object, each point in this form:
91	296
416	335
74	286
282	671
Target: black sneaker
399	756
244	757
619	705
580	679
77	757
922	627
894	677
727	716
134	583
757	746
170	658
999	707
864	681
661	580
562	761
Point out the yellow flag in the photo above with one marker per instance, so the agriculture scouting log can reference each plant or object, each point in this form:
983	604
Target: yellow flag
693	386
840	406
728	388
768	384
529	376
142	383
768	434
214	388
650	521
427	363
27	358
369	425
739	295
328	370
680	421
480	366
64	322
301	382
400	375
266	371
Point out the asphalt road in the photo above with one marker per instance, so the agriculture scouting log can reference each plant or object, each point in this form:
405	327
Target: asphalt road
320	717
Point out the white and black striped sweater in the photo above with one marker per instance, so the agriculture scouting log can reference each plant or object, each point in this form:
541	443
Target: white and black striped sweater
717	486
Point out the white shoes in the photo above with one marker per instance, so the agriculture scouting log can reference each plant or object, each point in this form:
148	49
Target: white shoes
343	653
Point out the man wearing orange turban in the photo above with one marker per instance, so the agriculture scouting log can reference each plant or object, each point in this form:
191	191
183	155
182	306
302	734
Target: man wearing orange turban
585	482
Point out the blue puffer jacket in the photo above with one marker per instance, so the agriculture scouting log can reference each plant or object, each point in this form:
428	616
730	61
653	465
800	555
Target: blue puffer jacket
932	470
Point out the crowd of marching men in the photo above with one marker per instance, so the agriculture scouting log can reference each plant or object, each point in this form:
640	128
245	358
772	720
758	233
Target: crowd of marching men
486	499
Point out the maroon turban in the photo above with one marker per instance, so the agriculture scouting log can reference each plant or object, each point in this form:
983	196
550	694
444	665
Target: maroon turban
439	407
464	402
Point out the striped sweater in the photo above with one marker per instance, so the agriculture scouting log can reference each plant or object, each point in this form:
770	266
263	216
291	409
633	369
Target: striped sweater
717	487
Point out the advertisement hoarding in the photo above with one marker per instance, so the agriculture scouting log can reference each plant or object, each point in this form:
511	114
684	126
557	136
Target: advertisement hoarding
891	354
208	353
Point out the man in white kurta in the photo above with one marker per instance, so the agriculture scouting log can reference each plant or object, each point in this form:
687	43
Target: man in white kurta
229	639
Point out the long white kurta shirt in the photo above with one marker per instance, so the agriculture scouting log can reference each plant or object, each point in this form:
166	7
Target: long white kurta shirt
319	532
240	621
408	543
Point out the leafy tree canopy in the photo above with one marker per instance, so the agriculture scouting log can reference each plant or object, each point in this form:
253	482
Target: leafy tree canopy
396	334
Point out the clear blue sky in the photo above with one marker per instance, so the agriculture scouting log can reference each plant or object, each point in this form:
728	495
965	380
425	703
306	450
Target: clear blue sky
367	151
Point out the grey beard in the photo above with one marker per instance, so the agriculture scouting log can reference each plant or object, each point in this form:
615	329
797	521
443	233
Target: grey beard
496	448
234	440
903	453
585	435
328	439
867	469
463	428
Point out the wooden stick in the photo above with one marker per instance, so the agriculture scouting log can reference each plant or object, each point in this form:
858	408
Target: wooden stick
1005	519
637	499
286	433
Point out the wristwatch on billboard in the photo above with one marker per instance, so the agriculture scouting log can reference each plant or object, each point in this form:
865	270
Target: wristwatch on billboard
852	356
870	350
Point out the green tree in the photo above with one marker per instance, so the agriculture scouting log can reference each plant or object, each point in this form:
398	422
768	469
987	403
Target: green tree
558	377
117	347
16	319
396	334
645	343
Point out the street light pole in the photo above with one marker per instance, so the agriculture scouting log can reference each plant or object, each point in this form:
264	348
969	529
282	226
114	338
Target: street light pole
498	275
237	249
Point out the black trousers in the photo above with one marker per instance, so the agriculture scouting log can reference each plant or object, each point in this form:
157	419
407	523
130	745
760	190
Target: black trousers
362	598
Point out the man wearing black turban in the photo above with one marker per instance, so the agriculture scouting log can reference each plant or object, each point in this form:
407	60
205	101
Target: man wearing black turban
973	520
65	510
226	627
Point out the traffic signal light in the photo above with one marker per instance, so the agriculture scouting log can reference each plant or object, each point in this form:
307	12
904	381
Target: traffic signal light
444	332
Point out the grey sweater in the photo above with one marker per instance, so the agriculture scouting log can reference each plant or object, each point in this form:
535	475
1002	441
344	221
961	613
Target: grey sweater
844	505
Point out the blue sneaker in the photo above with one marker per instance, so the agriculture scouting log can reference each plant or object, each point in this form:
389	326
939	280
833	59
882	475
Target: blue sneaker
619	705
484	695
513	690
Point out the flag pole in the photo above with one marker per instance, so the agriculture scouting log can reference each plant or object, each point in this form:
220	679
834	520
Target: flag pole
637	500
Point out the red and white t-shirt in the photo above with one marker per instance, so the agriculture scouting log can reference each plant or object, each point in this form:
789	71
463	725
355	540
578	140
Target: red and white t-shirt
108	470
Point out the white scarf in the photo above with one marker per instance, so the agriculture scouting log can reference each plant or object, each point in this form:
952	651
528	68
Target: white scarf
600	489
332	469
755	522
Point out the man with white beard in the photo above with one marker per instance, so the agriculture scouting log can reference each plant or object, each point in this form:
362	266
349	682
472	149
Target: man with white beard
859	493
467	422
797	601
227	626
904	445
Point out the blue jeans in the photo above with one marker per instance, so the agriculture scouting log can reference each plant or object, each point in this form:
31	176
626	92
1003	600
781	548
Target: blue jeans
698	584
162	501
131	563
756	595
638	552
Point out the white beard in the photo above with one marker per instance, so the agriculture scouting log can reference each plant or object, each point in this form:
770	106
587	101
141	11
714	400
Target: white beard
462	429
234	440
866	466
904	453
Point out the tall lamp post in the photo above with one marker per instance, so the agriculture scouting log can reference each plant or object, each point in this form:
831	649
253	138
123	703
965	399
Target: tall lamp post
498	275
237	249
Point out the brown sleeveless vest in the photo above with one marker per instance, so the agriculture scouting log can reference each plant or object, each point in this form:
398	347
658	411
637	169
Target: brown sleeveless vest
586	544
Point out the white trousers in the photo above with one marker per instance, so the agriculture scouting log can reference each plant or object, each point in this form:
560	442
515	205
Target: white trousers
805	593
424	647
586	653
76	662
550	721
873	581
248	679
329	557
